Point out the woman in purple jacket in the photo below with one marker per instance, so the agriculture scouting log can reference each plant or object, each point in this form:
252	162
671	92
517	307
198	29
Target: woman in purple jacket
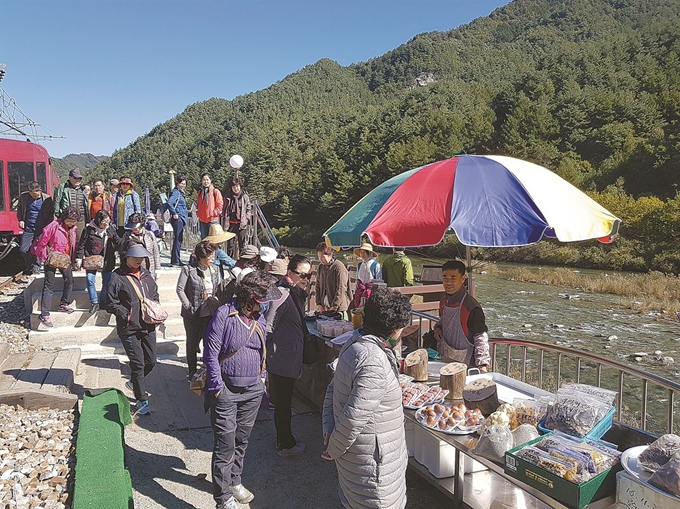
234	354
58	236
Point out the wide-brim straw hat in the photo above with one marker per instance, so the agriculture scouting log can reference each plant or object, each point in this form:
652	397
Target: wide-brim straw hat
365	246
217	235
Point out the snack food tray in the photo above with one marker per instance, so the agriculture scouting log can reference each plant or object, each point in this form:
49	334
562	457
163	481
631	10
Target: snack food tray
465	430
413	407
510	389
630	463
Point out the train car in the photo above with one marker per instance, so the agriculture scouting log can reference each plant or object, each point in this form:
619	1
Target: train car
20	163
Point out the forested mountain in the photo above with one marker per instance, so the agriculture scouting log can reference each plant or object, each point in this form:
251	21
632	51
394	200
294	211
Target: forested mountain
83	161
588	88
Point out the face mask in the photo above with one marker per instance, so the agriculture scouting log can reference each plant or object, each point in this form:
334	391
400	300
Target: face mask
264	308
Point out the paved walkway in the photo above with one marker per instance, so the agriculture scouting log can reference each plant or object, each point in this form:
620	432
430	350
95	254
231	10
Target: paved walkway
168	452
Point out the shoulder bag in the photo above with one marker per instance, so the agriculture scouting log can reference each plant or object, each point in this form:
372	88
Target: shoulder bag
152	312
58	260
94	262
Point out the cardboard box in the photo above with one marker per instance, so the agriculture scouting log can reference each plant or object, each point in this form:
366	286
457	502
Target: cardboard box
438	456
632	494
569	493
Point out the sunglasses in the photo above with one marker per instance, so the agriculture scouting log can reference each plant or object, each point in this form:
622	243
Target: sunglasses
303	275
125	184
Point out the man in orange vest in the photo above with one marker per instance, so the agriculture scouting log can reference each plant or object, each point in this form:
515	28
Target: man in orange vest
210	205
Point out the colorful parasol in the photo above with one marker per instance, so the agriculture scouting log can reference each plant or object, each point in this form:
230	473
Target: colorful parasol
489	201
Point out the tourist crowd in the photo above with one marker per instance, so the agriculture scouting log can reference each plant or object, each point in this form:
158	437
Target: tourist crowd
245	310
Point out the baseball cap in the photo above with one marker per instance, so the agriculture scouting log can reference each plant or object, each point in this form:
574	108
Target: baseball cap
279	267
249	251
75	173
113	182
267	254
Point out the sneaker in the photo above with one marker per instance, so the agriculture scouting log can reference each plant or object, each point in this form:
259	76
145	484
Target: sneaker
65	308
142	407
229	504
94	307
46	320
298	448
242	494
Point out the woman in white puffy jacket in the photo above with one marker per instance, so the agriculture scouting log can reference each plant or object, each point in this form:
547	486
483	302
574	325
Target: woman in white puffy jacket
363	418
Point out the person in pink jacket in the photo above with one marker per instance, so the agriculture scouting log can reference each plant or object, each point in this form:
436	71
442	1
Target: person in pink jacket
210	205
59	236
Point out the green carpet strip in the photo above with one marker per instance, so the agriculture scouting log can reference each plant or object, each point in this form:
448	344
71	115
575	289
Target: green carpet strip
102	482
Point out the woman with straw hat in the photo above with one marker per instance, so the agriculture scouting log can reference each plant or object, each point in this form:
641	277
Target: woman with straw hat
217	235
367	271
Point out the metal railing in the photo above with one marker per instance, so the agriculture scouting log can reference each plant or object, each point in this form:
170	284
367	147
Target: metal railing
556	370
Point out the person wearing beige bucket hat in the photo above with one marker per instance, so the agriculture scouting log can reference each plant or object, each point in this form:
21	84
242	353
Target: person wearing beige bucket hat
367	271
217	235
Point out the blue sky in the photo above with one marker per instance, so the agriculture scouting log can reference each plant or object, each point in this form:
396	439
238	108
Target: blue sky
103	73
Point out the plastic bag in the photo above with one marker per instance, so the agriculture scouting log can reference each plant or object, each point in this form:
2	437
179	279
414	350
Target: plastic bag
668	476
523	433
660	452
576	413
494	441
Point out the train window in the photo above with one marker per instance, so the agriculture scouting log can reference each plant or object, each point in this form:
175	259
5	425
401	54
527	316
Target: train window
18	177
41	175
2	186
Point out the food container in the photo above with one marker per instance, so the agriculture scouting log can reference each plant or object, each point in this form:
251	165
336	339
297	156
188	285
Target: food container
357	317
598	430
569	493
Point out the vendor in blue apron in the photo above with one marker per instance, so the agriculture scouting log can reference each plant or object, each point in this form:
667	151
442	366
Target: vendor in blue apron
461	333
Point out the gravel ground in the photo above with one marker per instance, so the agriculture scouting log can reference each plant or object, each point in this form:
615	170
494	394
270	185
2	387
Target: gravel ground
37	447
13	318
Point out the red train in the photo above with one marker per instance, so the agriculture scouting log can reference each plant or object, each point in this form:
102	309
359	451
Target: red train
20	163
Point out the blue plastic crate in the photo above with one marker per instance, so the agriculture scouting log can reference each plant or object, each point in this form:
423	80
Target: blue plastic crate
594	434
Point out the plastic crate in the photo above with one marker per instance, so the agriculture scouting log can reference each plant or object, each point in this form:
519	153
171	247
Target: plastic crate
598	430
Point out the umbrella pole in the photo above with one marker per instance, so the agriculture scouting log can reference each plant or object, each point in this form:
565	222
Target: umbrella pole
468	264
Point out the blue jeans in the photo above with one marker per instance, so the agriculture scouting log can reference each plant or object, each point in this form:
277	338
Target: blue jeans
91	275
177	238
32	264
205	228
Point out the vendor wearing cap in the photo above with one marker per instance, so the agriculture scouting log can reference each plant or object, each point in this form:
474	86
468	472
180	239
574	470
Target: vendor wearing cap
234	357
216	235
71	193
367	271
137	336
126	203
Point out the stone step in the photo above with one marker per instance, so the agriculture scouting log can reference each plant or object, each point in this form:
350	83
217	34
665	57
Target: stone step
66	337
171	348
40	379
167	276
81	317
80	299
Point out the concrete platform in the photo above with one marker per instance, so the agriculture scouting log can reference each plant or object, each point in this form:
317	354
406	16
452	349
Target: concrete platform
39	379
